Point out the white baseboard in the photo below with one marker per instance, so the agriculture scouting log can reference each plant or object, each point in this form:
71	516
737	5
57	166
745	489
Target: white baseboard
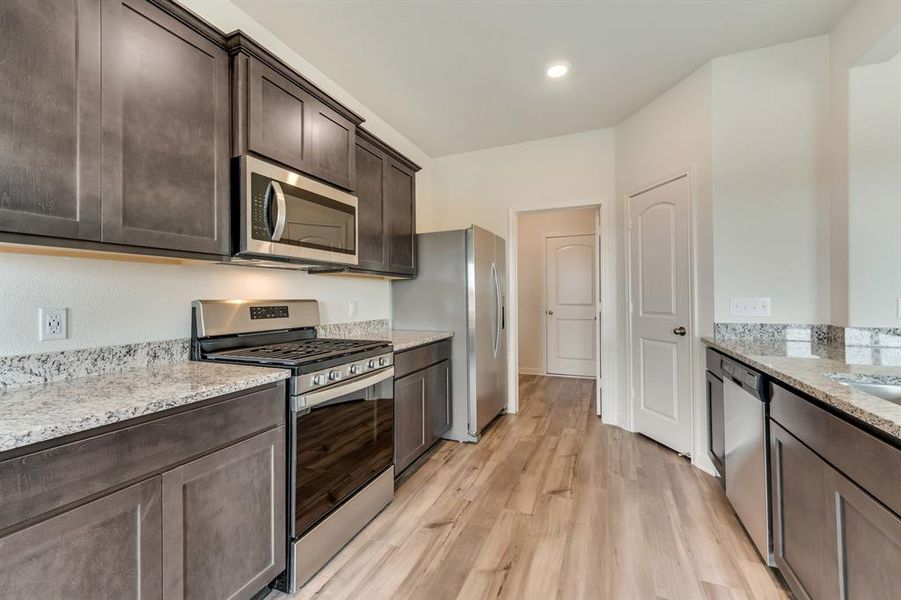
531	371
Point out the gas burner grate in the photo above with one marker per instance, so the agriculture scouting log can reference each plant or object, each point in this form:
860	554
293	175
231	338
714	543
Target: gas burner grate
297	353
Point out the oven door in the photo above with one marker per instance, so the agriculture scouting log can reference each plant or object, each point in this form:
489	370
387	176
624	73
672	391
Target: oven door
287	215
342	438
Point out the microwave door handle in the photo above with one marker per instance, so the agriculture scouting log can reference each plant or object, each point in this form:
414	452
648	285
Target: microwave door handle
281	207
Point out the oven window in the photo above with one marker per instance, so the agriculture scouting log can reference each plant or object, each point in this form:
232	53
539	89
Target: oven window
311	220
341	446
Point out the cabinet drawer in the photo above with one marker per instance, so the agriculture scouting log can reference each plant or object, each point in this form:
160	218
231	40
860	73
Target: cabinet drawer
871	463
715	362
408	361
44	481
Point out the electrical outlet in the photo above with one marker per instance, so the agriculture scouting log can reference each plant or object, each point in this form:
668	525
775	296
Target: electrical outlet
52	324
750	307
351	308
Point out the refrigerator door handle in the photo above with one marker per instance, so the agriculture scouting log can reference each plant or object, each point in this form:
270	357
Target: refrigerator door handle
497	309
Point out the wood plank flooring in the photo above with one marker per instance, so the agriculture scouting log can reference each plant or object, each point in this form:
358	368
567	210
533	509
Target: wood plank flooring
551	504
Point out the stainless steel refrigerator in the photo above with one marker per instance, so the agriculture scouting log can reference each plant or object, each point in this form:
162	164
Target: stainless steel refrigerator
461	287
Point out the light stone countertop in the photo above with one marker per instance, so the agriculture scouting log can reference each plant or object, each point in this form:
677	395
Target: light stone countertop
806	366
40	412
402	339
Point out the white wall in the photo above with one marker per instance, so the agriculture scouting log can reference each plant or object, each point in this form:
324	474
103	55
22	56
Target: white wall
874	194
671	135
480	187
771	228
866	23
117	301
532	230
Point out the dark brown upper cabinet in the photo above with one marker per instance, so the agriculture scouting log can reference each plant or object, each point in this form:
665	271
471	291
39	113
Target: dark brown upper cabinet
386	196
372	248
50	118
165	129
282	117
117	127
400	211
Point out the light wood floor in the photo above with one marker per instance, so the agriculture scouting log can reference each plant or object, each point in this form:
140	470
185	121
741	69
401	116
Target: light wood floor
551	504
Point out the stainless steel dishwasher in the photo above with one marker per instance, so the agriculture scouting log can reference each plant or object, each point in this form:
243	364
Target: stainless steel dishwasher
746	409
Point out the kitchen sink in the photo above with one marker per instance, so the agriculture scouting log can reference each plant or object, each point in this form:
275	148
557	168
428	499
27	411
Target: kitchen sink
892	393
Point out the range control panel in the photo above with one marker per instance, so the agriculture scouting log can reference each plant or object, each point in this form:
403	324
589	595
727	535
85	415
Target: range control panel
326	377
269	312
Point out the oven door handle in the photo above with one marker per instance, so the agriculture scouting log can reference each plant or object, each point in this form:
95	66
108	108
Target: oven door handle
355	385
281	208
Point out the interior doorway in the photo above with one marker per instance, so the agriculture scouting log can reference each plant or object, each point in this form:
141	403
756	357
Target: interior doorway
570	304
531	233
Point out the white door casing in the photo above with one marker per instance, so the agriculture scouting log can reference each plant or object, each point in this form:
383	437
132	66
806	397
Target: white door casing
660	307
570	305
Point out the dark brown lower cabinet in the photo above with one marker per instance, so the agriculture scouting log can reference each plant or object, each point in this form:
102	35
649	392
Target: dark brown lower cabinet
803	541
832	539
107	548
422	401
211	526
224	521
716	425
411	420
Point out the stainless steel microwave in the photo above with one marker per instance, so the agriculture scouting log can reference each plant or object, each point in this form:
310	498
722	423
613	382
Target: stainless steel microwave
285	215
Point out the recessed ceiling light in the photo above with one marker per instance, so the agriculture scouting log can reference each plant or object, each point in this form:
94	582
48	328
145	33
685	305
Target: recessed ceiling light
557	70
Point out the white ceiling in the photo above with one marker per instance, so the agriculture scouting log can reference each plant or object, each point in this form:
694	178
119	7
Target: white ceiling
464	75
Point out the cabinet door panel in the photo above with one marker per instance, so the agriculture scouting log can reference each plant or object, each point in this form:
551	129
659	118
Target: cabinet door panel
716	424
108	548
50	118
400	209
334	147
165	132
804	542
439	395
869	544
279	117
411	420
371	222
224	532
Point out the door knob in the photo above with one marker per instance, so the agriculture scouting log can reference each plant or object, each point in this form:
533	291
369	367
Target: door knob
550	312
679	331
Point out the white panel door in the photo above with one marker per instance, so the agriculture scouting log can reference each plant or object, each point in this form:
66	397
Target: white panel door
571	305
659	255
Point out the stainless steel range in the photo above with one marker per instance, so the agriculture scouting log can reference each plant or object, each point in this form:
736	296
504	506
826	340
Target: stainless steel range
341	418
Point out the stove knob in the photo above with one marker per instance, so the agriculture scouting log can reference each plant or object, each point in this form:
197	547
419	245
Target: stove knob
354	369
334	375
318	379
383	361
371	364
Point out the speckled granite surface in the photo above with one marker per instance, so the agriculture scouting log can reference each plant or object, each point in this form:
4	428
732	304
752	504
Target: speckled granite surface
41	412
807	366
771	331
45	367
353	328
402	339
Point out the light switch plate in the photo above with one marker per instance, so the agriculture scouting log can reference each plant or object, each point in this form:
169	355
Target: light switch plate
750	307
351	308
52	324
